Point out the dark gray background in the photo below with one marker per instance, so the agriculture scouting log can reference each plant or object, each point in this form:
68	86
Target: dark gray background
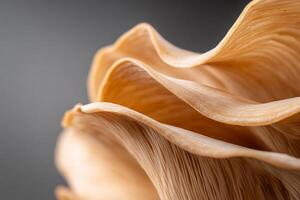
46	48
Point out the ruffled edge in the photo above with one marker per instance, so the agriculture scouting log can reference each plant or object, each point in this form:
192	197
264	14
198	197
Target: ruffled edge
213	103
190	141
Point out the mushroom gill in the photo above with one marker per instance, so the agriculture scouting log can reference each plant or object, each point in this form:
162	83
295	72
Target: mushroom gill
166	123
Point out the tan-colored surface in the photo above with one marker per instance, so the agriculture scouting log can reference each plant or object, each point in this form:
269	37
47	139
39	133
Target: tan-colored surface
166	123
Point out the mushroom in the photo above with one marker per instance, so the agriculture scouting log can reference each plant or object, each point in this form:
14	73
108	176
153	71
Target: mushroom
171	124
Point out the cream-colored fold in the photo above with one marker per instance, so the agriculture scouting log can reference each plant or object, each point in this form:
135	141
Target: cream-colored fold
135	85
216	104
262	42
140	135
195	142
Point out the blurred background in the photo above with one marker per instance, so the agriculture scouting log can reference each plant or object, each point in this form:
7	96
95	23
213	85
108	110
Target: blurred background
46	48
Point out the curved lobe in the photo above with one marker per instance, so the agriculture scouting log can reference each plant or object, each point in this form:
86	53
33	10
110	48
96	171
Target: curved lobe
162	150
193	142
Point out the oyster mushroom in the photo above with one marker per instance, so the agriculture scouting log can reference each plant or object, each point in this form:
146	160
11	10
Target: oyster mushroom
167	123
